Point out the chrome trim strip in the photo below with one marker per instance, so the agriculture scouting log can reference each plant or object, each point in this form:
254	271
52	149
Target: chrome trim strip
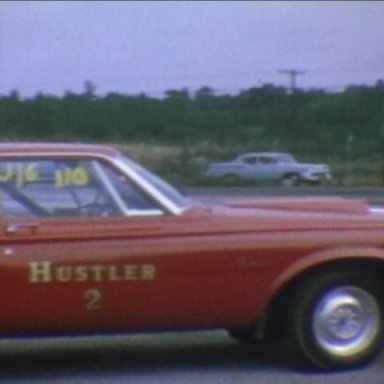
376	210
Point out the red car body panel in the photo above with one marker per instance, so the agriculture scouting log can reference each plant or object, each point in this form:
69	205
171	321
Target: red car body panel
208	267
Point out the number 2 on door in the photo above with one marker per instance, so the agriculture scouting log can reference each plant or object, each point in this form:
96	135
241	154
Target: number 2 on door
93	299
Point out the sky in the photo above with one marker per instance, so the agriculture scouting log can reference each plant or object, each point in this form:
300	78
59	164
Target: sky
134	47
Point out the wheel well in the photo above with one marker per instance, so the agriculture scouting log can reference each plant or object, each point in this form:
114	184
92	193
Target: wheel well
275	315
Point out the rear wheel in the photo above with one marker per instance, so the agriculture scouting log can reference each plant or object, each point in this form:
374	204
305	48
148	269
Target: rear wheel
231	178
337	319
290	180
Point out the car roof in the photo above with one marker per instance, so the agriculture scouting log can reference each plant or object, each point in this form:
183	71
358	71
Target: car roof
32	148
270	154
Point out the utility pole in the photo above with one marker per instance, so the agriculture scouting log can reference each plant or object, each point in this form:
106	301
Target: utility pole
293	131
292	73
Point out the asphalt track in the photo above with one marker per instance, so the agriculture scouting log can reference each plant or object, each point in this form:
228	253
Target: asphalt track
179	358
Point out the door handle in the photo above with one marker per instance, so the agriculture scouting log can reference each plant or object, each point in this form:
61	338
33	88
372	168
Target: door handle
21	228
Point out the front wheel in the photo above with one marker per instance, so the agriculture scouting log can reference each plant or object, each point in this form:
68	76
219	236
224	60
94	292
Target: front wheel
337	319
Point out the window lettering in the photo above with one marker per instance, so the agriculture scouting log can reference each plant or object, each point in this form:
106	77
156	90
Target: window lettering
19	172
68	188
72	177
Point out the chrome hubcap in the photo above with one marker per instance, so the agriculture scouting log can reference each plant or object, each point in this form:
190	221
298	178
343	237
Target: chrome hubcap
289	181
346	321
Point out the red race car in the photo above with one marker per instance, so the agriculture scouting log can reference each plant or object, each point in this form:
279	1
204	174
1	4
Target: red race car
93	243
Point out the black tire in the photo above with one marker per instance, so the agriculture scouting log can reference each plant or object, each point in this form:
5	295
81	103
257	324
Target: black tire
290	180
231	178
315	183
337	319
244	335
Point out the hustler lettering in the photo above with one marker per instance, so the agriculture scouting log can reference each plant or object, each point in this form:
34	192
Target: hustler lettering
48	272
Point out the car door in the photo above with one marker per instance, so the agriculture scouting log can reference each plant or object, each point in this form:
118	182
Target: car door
65	249
266	168
249	167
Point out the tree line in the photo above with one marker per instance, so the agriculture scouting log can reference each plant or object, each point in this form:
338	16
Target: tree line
306	122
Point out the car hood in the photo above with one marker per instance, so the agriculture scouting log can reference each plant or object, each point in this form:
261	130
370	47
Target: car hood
246	215
303	204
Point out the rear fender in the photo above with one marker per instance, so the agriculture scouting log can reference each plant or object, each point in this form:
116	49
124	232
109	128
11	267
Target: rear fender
322	258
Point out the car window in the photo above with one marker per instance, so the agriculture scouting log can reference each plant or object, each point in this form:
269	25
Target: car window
133	198
59	188
267	160
249	160
286	159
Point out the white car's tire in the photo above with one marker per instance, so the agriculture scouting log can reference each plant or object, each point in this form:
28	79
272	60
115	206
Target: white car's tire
290	180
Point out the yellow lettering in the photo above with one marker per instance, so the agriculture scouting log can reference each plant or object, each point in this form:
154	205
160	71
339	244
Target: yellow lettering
20	172
113	274
148	272
81	273
130	272
93	299
40	271
7	174
31	172
79	176
63	274
72	177
46	271
97	271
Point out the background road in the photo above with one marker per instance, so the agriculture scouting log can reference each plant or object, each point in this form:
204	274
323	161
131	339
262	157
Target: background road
375	195
185	358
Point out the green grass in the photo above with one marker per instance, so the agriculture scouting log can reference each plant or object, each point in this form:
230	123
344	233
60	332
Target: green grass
184	166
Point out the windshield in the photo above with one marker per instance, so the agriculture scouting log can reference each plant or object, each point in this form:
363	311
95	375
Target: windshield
161	186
